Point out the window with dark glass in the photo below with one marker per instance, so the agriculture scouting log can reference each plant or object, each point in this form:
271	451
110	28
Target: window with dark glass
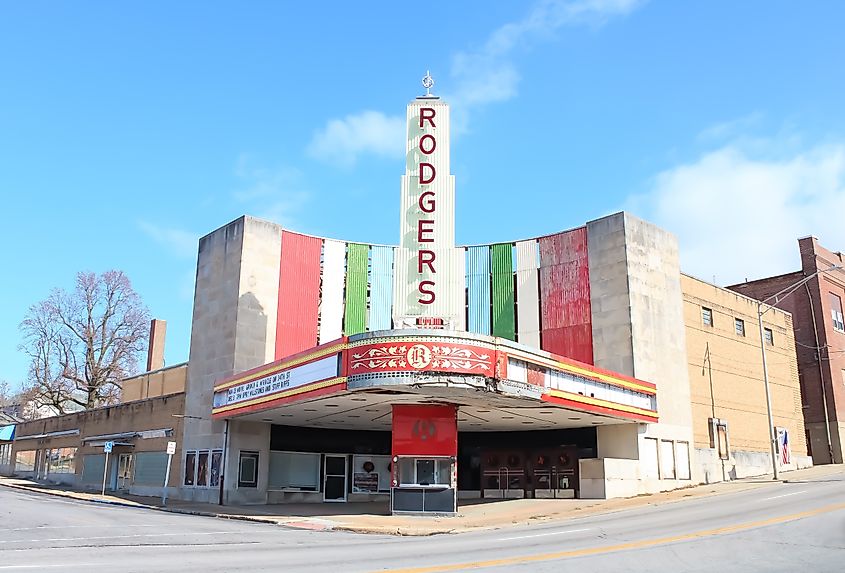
836	313
216	461
202	469
190	467
248	469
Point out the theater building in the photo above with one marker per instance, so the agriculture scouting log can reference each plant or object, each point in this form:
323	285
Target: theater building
331	370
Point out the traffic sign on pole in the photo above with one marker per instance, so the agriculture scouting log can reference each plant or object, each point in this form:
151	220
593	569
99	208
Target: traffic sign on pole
171	449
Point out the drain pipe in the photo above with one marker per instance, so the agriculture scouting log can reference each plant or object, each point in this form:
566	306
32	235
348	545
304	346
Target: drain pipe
223	462
821	375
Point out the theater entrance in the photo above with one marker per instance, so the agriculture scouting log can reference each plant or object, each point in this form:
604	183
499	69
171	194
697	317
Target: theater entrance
549	473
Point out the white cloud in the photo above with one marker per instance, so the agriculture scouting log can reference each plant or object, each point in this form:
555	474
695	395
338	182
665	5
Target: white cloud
486	75
342	141
482	76
738	213
272	193
179	242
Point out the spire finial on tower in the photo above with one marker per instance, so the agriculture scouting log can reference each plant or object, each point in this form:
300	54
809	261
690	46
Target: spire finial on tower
428	83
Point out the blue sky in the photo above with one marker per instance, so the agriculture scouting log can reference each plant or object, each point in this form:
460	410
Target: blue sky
128	130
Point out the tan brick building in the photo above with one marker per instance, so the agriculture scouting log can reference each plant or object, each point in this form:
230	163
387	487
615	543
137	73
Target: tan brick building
726	382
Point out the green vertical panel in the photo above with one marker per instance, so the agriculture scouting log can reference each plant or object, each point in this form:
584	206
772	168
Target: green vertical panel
503	312
355	313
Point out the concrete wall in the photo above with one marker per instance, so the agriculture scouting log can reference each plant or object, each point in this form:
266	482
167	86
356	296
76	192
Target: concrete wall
170	380
729	385
233	329
638	330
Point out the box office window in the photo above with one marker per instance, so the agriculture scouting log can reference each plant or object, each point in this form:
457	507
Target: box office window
424	471
25	461
61	461
248	469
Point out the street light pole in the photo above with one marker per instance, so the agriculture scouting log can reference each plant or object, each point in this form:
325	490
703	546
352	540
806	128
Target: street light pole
778	297
772	436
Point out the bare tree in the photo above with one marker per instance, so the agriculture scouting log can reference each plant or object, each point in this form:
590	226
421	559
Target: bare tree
82	343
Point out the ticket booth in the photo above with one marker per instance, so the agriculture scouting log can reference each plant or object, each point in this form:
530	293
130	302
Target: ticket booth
425	468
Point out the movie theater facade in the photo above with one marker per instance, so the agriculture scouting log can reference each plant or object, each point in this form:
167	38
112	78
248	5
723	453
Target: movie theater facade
326	370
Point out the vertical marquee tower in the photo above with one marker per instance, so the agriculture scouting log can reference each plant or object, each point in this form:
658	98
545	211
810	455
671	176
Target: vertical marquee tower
429	279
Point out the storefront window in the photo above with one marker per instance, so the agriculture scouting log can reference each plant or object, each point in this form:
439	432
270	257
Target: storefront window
61	461
25	461
202	469
190	467
216	459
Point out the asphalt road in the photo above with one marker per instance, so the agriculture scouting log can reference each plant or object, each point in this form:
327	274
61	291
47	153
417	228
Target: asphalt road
779	527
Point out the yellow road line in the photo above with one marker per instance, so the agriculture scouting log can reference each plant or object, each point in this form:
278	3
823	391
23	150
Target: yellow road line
523	559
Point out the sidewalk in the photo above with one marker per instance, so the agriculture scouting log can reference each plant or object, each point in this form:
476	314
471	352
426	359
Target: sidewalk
472	515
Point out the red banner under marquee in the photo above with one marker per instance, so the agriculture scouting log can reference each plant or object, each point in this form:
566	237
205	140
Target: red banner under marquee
425	430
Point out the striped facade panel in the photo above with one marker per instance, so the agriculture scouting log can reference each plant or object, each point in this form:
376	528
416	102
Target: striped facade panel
299	294
478	290
355	313
527	294
565	295
331	299
501	258
381	297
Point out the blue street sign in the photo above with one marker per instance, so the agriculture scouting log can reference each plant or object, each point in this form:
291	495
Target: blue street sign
107	447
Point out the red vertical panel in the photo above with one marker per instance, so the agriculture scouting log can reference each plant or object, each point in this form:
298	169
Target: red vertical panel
299	294
565	295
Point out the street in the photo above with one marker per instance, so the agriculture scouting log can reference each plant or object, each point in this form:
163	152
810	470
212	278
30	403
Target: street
777	527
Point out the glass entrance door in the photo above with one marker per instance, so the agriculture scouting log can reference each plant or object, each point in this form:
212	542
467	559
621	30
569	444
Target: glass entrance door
124	471
334	478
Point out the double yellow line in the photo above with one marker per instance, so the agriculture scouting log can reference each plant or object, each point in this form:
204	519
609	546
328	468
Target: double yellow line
621	547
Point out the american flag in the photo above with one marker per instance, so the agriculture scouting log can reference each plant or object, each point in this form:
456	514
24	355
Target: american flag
784	448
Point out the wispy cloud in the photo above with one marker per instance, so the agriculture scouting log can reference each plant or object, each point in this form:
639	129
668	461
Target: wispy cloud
272	193
488	74
178	242
738	210
480	77
730	129
342	141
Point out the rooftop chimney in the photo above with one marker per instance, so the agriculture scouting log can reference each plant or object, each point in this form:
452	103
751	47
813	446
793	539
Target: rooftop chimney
155	352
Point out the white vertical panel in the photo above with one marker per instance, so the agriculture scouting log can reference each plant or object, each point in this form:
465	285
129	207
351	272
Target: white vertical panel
527	294
331	301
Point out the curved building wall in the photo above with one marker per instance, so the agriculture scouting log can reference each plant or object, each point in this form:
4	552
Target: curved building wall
535	292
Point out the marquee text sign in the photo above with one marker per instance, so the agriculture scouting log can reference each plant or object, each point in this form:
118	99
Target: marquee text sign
280	381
